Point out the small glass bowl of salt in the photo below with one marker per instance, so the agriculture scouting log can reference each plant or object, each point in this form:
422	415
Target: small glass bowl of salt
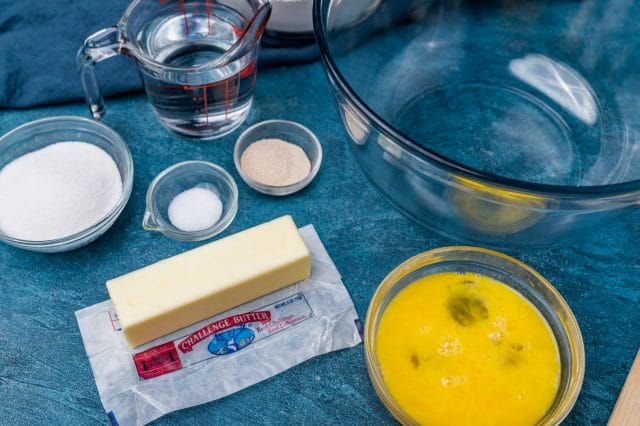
191	201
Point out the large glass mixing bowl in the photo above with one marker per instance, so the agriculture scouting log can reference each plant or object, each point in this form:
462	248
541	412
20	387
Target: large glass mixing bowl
503	122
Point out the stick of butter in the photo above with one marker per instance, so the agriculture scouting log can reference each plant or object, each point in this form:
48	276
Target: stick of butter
187	288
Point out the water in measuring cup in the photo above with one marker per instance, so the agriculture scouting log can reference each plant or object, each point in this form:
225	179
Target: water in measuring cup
221	98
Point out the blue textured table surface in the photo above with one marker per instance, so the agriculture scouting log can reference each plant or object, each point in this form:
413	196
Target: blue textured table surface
45	375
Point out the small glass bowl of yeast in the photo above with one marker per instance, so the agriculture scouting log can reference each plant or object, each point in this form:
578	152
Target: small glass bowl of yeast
459	333
286	131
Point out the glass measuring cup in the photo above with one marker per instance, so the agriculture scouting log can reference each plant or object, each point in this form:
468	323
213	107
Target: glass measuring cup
197	60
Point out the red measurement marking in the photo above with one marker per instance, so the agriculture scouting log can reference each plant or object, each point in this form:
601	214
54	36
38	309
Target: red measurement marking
229	92
182	87
246	72
204	98
206	105
184	14
183	9
237	31
208	7
258	33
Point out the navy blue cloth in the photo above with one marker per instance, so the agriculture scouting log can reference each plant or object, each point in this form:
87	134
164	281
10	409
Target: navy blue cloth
39	40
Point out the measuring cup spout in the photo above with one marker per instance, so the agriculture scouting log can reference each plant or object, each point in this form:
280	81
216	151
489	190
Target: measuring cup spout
256	27
252	34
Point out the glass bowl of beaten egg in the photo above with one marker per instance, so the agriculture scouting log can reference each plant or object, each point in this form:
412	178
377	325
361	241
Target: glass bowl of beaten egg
465	335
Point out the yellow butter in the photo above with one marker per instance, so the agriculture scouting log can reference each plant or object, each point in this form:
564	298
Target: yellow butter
187	288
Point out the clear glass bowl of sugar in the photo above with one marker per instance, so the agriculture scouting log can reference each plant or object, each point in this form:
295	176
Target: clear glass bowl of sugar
191	201
26	190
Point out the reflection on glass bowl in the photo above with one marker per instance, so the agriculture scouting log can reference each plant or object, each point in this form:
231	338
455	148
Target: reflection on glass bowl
493	210
504	124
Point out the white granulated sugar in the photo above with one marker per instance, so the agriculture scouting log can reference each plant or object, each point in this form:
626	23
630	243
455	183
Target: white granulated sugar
195	209
57	191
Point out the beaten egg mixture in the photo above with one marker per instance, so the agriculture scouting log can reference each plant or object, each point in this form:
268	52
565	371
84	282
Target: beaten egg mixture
465	349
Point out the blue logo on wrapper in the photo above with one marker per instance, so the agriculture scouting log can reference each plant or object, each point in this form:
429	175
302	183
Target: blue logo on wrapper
231	341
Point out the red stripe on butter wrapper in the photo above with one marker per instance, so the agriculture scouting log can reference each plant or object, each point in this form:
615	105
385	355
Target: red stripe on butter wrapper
156	361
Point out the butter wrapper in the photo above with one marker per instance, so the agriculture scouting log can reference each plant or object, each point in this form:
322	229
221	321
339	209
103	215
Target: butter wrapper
270	334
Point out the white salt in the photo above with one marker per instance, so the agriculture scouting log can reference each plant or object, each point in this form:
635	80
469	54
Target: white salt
195	209
57	191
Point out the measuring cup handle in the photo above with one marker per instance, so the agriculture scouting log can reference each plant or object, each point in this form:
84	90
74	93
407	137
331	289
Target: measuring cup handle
97	47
